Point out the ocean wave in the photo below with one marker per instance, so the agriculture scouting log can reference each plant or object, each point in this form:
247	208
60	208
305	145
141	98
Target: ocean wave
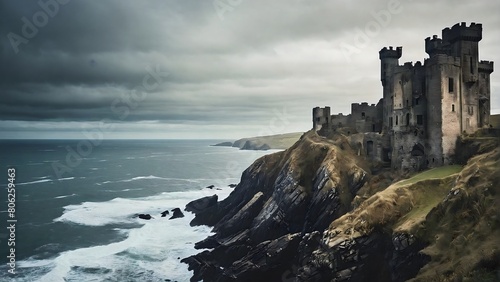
121	210
143	178
34	182
35	163
66	178
139	254
64	196
43	177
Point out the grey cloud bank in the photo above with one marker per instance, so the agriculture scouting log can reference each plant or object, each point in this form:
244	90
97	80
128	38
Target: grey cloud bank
227	77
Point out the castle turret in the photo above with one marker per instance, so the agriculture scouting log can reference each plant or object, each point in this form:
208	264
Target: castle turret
321	118
463	41
389	60
434	46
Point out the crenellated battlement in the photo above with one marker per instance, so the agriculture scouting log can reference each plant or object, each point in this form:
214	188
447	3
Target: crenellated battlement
391	52
485	66
443	59
425	105
434	46
461	31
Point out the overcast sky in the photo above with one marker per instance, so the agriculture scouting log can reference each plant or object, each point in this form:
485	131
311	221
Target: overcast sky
207	69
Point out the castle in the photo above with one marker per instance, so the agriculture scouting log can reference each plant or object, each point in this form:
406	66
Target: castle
424	107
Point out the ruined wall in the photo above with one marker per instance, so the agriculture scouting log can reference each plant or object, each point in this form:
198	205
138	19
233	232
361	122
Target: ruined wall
450	104
365	117
433	122
485	69
341	120
321	118
369	145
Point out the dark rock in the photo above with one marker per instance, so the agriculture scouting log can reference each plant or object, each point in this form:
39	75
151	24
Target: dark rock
176	213
144	216
164	214
208	243
210	186
201	204
232	185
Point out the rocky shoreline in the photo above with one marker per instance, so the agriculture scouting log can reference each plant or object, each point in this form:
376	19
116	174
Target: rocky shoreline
312	213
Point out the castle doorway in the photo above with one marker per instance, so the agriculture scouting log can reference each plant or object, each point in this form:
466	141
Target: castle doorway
418	150
418	157
369	148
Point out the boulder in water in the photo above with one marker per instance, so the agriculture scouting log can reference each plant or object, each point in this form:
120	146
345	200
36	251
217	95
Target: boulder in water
145	216
176	213
201	204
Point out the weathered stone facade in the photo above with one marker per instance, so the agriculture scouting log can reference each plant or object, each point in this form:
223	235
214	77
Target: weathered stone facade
424	107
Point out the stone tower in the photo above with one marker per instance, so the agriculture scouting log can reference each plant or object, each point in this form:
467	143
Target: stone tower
424	107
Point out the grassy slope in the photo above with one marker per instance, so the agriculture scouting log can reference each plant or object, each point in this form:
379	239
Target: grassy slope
452	208
401	205
280	141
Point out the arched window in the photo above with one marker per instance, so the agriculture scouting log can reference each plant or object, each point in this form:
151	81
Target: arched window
417	150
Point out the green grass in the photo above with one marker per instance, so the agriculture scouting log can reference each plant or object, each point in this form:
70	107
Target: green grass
428	190
280	141
435	173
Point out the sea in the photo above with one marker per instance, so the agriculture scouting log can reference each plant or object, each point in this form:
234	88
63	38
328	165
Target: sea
76	204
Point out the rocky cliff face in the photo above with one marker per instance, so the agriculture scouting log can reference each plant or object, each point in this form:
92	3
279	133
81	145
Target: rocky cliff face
311	213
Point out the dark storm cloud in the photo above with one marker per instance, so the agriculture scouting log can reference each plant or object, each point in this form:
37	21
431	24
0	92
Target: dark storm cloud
237	66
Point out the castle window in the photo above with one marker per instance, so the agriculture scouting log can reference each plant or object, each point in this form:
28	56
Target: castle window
471	65
318	119
397	120
416	101
407	103
452	108
451	85
407	119
363	114
420	119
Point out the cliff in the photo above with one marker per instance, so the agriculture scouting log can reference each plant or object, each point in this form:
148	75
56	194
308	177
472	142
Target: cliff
316	212
279	141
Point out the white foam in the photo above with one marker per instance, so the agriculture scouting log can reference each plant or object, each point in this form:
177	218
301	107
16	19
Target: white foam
120	210
64	196
153	248
141	178
66	178
34	182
